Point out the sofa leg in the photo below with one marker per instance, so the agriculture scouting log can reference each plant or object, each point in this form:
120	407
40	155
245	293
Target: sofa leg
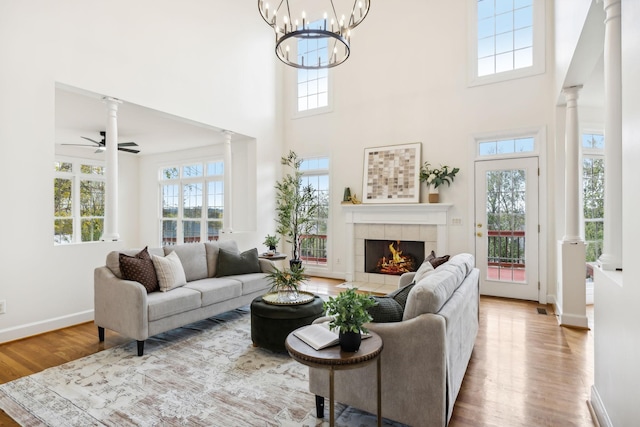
140	348
319	406
101	333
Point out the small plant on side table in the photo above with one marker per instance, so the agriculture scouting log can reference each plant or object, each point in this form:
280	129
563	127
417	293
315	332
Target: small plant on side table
271	242
349	312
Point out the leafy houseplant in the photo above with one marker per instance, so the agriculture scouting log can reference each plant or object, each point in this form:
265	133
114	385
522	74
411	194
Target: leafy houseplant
271	242
349	312
296	206
436	177
286	283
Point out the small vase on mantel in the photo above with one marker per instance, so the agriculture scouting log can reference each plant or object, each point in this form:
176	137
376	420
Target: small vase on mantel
434	194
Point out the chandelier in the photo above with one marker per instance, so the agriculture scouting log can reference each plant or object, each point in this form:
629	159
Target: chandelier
310	37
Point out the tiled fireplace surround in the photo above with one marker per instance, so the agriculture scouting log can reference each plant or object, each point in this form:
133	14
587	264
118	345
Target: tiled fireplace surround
426	222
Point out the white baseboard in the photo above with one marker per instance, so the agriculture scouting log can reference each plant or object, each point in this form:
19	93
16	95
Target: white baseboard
35	328
599	409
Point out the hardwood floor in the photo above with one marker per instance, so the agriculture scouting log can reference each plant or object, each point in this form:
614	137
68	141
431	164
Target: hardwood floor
525	369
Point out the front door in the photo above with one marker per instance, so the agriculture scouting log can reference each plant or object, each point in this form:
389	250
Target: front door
506	227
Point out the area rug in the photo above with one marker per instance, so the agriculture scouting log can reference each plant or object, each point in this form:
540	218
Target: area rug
205	374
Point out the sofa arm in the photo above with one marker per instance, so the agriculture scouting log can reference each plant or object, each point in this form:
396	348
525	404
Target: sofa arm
266	265
120	305
406	279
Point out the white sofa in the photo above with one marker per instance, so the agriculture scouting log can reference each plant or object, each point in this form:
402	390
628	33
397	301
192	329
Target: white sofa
126	307
425	355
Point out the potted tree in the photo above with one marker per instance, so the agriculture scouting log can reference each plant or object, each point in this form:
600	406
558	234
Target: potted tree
349	314
271	242
296	206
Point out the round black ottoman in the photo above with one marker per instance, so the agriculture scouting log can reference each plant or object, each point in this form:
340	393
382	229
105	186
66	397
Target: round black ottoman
270	324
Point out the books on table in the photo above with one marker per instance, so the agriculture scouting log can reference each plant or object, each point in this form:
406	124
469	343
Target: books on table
319	335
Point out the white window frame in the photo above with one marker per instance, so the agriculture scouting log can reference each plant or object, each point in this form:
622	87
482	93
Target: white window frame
321	172
181	181
593	153
76	176
539	31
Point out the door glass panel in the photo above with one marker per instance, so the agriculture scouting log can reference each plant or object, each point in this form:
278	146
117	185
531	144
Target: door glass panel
506	225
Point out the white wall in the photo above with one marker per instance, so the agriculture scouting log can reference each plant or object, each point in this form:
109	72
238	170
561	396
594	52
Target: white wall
617	340
408	83
170	56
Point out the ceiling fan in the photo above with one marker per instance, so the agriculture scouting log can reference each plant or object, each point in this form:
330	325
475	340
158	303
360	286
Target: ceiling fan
103	143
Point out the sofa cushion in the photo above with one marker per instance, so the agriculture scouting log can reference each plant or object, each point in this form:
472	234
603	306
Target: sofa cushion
425	269
193	258
216	289
386	310
113	258
176	301
401	295
433	291
253	282
231	263
139	268
212	249
170	272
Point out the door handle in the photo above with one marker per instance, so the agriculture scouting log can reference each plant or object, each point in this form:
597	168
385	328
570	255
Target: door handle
479	234
479	225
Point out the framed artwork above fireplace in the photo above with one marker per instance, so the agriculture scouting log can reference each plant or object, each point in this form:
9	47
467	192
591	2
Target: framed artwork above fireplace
392	174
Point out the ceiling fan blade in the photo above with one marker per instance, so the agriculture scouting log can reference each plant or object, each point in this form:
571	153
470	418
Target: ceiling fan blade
127	144
129	150
89	139
80	145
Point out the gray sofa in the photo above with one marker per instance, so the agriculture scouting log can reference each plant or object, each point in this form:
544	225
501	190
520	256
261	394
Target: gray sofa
126	307
425	355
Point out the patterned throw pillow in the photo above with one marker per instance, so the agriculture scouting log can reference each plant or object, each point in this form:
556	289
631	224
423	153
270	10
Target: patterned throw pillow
231	263
400	295
386	310
139	268
170	272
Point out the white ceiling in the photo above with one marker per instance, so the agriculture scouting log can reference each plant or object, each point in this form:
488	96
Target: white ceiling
84	114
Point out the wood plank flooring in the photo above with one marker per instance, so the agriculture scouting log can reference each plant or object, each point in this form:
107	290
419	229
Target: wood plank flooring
525	369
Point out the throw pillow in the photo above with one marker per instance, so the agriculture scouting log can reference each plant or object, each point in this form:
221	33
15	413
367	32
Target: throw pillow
401	295
170	272
231	263
425	269
436	261
139	268
386	310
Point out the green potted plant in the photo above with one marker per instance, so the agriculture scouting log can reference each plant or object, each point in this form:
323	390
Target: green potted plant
286	283
349	314
435	177
296	206
271	242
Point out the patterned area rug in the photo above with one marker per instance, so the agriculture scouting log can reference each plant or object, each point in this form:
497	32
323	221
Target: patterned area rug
205	374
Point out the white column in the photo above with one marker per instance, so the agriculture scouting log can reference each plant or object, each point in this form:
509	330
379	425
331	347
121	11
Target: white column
572	167
227	217
611	258
110	232
571	298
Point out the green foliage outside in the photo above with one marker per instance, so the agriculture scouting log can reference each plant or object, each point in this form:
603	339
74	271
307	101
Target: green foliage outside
593	206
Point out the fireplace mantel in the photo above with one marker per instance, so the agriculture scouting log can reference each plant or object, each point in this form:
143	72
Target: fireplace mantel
394	214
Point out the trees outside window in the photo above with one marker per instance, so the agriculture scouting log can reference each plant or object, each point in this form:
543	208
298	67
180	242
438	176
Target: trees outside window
315	172
593	194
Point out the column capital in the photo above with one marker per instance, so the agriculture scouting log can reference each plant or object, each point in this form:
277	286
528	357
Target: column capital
111	102
571	93
612	9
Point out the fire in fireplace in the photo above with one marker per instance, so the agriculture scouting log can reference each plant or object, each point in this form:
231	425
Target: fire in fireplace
393	257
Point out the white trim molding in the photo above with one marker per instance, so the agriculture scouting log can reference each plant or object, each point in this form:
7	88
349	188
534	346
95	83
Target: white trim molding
600	412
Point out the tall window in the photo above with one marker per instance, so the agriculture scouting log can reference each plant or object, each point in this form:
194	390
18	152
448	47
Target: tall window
78	195
313	85
314	245
593	193
509	39
192	198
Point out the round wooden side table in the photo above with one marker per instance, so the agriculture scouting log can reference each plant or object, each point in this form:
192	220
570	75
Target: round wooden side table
334	359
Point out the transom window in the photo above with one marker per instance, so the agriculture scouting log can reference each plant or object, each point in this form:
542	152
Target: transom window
78	198
508	39
314	245
313	85
192	197
506	146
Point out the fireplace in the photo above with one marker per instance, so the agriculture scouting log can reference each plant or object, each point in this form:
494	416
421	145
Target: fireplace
393	257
